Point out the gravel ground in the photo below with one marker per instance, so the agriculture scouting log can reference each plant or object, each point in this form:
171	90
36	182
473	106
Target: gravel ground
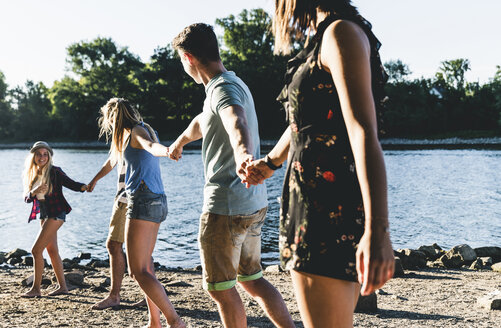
425	298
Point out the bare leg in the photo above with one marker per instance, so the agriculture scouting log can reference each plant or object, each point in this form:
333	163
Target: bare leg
270	300
230	306
141	236
325	302
47	231
57	264
117	270
153	310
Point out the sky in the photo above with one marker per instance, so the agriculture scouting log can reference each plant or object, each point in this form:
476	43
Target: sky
34	34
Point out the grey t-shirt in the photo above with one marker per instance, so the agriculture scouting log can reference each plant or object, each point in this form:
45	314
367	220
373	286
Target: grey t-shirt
223	191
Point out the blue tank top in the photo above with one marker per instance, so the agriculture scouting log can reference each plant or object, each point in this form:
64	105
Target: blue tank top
142	166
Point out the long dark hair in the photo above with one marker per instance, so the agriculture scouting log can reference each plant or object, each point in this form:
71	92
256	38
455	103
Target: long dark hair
294	18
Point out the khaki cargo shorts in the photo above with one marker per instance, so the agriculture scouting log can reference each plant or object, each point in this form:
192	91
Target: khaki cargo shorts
117	222
230	248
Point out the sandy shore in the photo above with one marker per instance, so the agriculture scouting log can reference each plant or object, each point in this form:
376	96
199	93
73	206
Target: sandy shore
425	298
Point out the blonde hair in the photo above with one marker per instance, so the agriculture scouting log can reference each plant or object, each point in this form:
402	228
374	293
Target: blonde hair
30	172
117	116
295	19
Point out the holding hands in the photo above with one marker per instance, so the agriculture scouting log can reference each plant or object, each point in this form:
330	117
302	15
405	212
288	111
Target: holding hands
255	172
175	151
91	185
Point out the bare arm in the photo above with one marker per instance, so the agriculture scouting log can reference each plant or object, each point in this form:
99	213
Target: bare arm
235	123
258	171
105	169
346	54
140	139
192	133
279	153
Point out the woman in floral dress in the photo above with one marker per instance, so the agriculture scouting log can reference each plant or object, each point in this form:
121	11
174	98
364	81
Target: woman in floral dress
334	231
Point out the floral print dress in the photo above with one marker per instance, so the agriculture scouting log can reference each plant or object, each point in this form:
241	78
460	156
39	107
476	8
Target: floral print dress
322	213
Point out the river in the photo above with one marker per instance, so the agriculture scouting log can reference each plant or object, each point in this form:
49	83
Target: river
447	196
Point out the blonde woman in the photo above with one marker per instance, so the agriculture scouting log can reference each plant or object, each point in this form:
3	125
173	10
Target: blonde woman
334	232
137	144
43	184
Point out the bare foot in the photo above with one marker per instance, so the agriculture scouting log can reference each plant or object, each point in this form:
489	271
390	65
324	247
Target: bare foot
106	303
151	325
59	291
32	293
179	323
141	303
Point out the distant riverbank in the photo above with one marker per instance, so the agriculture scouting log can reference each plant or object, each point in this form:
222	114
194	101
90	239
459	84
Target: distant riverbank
387	143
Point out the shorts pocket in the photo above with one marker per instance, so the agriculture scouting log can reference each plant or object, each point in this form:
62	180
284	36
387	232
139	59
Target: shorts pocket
152	210
255	228
150	206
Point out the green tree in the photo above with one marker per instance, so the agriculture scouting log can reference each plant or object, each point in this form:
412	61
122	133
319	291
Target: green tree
397	71
170	97
452	73
73	116
248	50
32	119
495	86
103	70
497	76
6	114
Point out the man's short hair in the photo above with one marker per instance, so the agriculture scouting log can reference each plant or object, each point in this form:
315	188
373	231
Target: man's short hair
199	40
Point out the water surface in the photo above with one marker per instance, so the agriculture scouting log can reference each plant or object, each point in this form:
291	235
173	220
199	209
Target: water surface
445	196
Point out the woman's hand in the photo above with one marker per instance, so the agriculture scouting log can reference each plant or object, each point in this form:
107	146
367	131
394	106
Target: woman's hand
375	260
42	189
91	185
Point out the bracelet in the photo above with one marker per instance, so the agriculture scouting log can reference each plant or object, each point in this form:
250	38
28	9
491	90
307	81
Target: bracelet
272	166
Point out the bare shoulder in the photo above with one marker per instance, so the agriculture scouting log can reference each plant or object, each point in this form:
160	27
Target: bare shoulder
140	131
344	41
345	34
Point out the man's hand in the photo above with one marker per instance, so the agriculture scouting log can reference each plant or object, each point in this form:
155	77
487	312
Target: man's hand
175	151
254	172
84	188
258	171
242	162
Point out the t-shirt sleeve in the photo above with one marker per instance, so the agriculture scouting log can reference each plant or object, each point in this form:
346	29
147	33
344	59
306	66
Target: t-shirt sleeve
225	95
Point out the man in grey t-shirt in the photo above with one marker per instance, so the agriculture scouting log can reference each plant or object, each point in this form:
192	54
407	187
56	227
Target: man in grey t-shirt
232	215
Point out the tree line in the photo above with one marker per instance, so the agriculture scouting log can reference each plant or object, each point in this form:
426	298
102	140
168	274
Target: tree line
168	98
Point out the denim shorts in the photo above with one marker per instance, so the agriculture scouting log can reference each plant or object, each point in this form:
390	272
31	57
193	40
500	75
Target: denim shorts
146	205
43	213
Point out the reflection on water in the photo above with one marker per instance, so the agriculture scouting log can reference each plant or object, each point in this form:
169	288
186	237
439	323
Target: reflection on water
444	196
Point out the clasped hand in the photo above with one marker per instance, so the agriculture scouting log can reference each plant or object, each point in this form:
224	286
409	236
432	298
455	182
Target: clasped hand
175	151
253	172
